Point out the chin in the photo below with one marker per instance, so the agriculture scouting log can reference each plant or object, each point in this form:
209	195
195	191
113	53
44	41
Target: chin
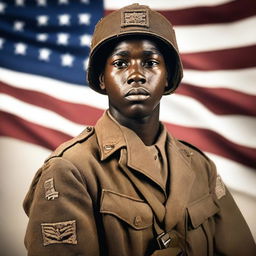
138	111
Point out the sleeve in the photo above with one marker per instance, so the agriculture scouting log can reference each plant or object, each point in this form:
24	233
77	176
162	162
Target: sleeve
61	214
232	234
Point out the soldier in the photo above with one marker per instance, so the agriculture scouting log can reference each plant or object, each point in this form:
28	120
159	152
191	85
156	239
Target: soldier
127	187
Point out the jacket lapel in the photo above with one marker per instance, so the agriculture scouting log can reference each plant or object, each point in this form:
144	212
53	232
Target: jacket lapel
181	181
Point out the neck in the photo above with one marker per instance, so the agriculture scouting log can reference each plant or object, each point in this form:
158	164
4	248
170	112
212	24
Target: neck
147	128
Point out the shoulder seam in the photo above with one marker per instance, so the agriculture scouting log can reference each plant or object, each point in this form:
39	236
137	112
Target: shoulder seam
194	148
85	134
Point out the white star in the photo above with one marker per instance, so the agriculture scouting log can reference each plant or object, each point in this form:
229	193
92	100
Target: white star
62	38
63	1
86	62
18	25
84	18
19	2
41	2
20	49
67	60
44	54
85	40
64	19
1	43
85	1
42	37
2	7
42	20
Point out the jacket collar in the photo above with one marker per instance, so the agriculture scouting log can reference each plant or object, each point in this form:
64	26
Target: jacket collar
113	136
109	135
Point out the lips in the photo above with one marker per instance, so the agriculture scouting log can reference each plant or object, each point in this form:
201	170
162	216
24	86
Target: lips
137	94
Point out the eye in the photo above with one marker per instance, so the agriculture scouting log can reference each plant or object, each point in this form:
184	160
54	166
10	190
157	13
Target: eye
120	64
150	63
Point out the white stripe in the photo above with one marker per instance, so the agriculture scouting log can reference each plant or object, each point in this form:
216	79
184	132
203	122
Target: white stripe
38	115
235	175
164	4
58	89
199	38
186	111
242	80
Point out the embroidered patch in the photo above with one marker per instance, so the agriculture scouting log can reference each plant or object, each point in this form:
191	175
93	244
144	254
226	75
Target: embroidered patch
59	233
135	18
220	190
50	192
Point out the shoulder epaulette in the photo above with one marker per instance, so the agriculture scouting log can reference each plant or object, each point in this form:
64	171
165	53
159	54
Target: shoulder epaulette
86	133
194	148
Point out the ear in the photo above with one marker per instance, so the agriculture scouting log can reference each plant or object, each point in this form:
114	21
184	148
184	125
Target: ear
101	80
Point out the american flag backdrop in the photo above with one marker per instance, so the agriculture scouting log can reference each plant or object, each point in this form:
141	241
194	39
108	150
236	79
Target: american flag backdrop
45	100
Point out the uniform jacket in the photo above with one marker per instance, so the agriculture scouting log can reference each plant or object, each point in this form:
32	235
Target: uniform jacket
82	202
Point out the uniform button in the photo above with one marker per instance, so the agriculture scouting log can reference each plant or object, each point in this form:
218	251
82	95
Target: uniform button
137	221
155	157
108	147
88	128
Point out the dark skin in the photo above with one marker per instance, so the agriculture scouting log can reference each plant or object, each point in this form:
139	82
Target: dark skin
135	78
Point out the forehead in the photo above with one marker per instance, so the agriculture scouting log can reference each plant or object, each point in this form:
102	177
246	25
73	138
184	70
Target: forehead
136	45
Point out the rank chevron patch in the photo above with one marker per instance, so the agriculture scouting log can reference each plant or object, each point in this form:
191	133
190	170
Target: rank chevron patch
60	232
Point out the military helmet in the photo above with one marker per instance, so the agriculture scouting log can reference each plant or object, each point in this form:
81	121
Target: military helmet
126	22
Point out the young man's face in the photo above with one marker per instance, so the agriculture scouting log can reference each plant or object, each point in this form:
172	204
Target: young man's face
135	77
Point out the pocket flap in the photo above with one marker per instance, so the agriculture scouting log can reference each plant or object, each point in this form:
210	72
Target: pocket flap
201	210
133	211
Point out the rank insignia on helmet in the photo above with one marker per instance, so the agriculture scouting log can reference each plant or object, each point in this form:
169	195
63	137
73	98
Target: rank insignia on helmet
134	18
50	192
220	190
60	232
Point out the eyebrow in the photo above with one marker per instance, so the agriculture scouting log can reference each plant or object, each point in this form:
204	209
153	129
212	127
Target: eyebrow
121	53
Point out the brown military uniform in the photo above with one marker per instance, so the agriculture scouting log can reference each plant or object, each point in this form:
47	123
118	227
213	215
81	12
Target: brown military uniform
85	199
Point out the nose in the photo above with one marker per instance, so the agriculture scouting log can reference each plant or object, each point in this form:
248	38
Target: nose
136	76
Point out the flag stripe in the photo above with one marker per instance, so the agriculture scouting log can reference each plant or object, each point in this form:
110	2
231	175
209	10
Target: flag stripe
69	110
235	58
185	111
38	115
210	141
221	101
16	127
215	37
58	89
226	12
242	80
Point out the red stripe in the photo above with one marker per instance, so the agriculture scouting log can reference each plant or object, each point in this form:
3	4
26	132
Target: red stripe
79	113
19	128
235	58
228	12
212	142
206	140
221	101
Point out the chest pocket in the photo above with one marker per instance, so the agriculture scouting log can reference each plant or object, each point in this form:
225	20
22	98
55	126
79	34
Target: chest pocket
200	210
133	211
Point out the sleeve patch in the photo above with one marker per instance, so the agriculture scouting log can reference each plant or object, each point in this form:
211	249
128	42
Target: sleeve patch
59	233
220	190
50	192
